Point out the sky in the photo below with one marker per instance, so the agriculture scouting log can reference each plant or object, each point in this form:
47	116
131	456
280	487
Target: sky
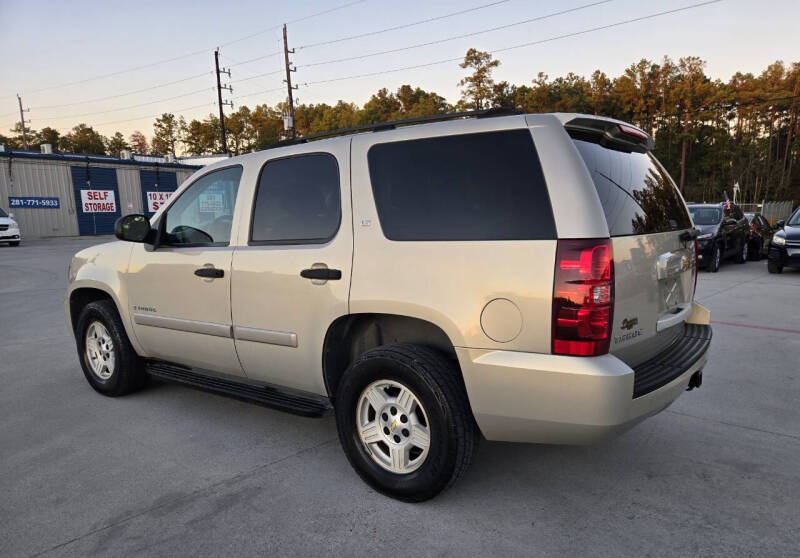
48	46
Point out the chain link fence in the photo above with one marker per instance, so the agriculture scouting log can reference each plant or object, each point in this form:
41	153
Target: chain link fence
771	210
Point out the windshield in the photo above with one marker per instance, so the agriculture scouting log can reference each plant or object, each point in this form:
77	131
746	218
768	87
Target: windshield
794	220
3	213
705	215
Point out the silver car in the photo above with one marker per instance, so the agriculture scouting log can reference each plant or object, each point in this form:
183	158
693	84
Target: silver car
527	278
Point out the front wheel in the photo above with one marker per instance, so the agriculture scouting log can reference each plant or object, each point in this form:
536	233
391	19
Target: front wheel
404	421
774	267
15	243
109	362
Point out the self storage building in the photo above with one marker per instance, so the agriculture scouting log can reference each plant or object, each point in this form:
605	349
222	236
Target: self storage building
66	194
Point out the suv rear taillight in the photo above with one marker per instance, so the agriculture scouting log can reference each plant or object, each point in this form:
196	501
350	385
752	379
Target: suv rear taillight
583	297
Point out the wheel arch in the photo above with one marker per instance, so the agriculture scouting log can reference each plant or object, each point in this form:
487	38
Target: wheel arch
349	336
87	291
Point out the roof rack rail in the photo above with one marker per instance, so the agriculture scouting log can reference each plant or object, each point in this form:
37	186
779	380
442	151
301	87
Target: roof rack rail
380	126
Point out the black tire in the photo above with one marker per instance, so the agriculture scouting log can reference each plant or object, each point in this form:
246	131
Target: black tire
716	259
755	250
744	250
774	267
14	243
128	374
436	381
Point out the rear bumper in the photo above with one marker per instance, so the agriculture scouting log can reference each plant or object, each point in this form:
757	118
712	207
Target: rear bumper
529	397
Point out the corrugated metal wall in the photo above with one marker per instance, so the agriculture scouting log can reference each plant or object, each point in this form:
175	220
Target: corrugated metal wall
130	196
43	179
182	175
52	178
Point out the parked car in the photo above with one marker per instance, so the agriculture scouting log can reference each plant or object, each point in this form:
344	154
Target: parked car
528	277
9	229
723	233
784	250
760	235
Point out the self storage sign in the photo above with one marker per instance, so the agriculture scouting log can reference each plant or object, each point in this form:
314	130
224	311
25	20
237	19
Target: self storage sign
98	201
155	200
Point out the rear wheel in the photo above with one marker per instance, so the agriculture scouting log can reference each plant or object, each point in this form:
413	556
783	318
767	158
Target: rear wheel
755	250
774	267
109	362
744	250
404	421
716	259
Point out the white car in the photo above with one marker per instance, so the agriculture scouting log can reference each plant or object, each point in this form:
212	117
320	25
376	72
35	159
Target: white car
9	229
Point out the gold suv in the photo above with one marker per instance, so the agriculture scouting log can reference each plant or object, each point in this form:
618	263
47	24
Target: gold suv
526	277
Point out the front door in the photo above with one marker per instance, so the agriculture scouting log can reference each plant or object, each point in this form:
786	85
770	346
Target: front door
180	292
292	279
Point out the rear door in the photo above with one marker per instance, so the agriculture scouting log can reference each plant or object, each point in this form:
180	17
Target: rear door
292	279
654	268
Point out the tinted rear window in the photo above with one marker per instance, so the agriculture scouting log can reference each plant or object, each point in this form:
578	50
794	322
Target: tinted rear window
638	196
705	215
297	201
486	186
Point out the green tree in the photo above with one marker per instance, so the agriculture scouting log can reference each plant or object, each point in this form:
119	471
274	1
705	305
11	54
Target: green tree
478	87
166	134
240	132
202	137
83	139
116	144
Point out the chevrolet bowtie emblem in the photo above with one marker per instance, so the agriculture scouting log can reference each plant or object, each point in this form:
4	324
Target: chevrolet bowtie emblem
394	424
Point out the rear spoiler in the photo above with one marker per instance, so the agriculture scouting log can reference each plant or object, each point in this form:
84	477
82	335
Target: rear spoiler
611	134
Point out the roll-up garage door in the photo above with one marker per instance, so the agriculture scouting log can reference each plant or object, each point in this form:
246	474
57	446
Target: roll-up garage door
96	199
157	187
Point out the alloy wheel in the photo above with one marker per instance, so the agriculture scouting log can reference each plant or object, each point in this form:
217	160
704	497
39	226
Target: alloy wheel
393	426
99	350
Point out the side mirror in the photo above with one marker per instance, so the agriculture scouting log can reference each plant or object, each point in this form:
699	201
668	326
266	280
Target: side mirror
779	224
133	228
10	215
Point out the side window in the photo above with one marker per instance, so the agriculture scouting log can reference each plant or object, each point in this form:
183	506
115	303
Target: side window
203	213
297	201
485	186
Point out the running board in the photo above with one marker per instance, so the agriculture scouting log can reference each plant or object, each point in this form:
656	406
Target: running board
291	401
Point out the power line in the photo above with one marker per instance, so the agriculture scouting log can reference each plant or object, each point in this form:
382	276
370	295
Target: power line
154	115
522	45
204	89
259	92
298	20
184	56
404	26
455	37
159	86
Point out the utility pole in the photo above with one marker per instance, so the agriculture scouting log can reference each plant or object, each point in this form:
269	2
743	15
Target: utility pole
288	80
220	87
22	120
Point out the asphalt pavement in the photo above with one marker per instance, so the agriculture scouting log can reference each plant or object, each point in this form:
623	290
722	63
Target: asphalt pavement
171	471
